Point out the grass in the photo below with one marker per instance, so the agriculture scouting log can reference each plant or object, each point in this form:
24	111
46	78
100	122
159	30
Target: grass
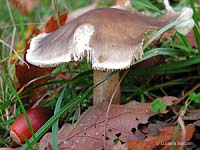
180	69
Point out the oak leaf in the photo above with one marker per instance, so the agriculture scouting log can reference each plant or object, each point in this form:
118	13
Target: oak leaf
96	131
54	23
162	141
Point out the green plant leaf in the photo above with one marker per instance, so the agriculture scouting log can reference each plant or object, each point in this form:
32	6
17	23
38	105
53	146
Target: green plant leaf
194	97
158	105
196	27
145	4
74	102
55	124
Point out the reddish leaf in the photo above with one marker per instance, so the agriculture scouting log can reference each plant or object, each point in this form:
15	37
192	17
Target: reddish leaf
25	74
162	141
150	62
52	23
152	129
25	6
46	140
120	2
92	130
191	38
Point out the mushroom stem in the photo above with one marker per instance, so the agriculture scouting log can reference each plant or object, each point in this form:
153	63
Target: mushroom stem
104	91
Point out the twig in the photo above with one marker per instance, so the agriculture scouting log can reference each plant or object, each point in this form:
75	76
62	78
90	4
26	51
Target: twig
187	93
56	10
11	48
13	33
13	23
182	124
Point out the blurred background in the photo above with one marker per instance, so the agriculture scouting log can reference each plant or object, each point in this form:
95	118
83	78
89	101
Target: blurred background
20	20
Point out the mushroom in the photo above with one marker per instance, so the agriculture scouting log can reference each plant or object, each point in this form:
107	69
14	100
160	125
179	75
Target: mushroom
111	39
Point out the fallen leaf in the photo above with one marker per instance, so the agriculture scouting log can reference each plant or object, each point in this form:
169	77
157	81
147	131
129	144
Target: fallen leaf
120	146
92	131
162	141
45	143
25	74
52	23
150	62
25	6
191	38
120	2
152	129
197	123
192	115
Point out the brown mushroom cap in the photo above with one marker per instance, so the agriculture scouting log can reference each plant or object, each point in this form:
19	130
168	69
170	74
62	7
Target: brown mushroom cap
109	38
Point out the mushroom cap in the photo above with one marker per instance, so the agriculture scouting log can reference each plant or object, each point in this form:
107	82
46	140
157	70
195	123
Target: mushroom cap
109	38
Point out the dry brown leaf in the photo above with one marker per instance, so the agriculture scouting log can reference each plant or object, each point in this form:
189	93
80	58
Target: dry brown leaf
25	6
162	141
197	123
25	74
192	115
120	2
191	38
46	140
52	23
152	129
120	146
91	130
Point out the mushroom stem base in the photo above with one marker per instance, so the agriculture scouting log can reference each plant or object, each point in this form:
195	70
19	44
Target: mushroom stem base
104	91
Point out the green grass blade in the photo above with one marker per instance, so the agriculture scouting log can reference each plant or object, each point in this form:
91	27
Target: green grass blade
76	79
74	102
185	50
183	39
196	27
161	31
175	67
146	4
55	124
30	147
161	51
174	137
21	106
